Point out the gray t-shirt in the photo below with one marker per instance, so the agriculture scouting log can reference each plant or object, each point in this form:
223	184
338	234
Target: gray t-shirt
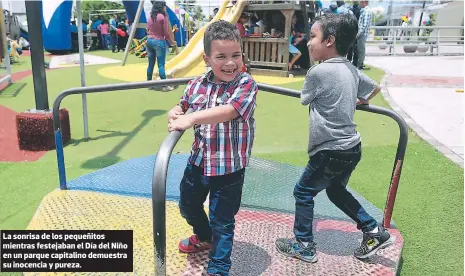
332	88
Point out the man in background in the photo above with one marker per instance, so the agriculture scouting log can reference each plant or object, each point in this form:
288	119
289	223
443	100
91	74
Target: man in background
96	41
113	26
364	24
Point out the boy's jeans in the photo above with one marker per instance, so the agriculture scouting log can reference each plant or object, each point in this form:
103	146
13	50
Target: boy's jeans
156	49
225	199
330	170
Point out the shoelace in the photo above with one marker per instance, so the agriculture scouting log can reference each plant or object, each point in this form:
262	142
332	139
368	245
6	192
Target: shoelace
194	240
364	244
292	242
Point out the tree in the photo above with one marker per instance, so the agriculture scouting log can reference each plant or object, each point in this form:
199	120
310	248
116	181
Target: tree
90	6
192	8
198	14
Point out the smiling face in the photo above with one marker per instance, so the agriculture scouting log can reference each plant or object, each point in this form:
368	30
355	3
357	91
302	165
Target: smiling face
316	45
332	36
225	59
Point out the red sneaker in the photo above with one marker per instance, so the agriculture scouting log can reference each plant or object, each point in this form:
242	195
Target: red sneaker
193	245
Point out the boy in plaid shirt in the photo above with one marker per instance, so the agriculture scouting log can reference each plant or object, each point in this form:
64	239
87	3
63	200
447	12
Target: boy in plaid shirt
223	102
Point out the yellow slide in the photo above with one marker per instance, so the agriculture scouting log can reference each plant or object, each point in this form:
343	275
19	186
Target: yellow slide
191	55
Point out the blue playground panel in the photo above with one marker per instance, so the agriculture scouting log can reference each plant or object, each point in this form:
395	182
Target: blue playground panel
268	185
57	36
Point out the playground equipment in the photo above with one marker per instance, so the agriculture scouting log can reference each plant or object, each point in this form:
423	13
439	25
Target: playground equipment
56	28
89	202
138	46
4	50
191	55
12	25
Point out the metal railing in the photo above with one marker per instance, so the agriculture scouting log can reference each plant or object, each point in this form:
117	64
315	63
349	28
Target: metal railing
411	36
167	146
94	89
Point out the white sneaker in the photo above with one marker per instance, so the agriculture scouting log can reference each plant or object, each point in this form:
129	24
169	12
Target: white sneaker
167	88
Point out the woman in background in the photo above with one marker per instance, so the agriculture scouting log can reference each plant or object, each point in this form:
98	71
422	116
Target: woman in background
158	32
104	29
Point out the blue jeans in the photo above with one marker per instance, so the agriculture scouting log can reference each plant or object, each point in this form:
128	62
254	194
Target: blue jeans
225	200
361	48
330	170
106	41
156	49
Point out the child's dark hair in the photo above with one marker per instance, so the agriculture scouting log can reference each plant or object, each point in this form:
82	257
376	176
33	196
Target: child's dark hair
220	30
342	27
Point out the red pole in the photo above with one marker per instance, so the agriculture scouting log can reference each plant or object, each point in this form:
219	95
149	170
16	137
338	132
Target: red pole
391	199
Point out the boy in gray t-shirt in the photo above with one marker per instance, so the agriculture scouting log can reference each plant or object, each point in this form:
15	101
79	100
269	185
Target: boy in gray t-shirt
333	89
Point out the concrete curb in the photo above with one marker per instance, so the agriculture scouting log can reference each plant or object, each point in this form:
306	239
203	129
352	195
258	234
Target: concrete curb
415	127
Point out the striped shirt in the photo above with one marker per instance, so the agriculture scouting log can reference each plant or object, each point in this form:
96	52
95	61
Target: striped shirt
222	148
364	23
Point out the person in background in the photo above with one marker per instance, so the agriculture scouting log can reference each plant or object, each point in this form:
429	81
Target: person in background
122	34
97	42
14	50
240	23
114	36
74	37
158	32
84	33
174	47
342	8
364	24
333	8
253	23
353	51
318	6
356	9
215	11
295	38
73	27
104	29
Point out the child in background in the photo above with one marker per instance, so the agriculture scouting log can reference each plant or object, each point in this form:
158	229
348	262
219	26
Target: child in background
296	38
240	23
223	102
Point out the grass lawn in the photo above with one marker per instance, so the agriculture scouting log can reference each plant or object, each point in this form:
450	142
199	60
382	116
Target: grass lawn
128	124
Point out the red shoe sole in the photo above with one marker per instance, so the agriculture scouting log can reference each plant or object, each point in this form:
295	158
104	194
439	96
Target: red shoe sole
193	250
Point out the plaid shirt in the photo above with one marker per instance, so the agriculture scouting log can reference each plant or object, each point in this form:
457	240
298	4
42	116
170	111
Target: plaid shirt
364	23
225	147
